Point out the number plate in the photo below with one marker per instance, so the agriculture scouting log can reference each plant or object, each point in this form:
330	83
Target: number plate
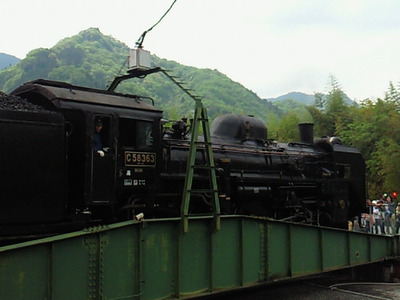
143	159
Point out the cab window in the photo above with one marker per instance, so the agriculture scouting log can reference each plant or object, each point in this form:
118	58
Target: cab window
135	134
145	134
102	131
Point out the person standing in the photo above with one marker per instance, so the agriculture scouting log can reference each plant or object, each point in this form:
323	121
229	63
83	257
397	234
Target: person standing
368	219
389	215
378	227
97	140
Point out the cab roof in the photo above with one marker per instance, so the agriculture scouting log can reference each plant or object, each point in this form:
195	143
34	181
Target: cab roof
57	92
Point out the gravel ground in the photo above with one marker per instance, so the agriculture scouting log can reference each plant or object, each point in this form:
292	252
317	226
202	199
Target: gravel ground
331	286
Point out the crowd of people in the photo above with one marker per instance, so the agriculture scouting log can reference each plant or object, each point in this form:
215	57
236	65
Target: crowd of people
383	216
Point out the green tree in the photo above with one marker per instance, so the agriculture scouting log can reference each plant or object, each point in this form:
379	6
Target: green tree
383	170
375	132
287	129
336	110
319	101
393	95
321	122
272	123
330	114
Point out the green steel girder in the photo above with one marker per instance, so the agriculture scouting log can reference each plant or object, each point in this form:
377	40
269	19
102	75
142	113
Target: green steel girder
155	260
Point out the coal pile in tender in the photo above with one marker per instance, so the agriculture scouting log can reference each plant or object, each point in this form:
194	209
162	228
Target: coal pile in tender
14	103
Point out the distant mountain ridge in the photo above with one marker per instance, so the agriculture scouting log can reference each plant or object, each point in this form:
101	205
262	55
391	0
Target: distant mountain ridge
296	96
303	98
7	60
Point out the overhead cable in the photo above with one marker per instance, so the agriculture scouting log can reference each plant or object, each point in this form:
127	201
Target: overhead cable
139	43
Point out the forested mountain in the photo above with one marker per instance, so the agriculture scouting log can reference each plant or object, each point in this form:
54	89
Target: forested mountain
92	59
7	60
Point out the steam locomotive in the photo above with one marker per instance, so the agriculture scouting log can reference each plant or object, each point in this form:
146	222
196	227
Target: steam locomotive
52	179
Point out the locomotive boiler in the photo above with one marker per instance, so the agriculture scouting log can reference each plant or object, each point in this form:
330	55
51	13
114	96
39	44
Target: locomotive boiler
317	182
54	180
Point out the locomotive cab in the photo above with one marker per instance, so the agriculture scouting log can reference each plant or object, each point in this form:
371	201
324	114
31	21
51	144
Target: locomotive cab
107	171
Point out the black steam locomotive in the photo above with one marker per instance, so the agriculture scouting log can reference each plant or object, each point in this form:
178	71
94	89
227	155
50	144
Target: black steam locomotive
54	179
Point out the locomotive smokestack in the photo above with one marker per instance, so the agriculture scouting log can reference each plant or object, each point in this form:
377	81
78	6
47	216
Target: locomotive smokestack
306	132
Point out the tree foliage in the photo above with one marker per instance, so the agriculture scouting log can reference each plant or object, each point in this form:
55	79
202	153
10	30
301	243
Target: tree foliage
288	127
372	128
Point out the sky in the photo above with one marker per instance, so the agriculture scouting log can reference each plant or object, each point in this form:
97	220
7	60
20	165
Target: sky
271	47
